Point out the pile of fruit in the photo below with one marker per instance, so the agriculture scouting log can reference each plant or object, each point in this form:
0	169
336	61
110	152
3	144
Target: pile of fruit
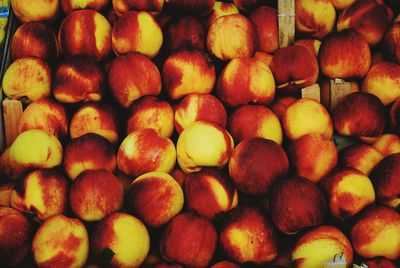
171	134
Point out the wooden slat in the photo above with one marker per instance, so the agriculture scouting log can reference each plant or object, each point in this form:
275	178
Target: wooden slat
311	92
338	90
12	112
286	22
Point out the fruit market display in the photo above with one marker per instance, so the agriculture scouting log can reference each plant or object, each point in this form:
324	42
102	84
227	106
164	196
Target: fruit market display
172	133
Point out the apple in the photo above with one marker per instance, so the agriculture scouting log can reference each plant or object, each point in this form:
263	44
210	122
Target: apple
189	240
61	241
199	107
41	193
114	235
151	112
376	233
312	157
367	120
123	6
137	32
133	76
38	10
85	32
34	39
144	151
344	55
210	193
45	114
203	144
187	72
383	80
90	151
349	191
16	234
243	45
314	18
388	144
294	68
362	157
265	21
155	197
98	118
255	164
296	203
306	116
318	246
386	180
185	32
70	5
250	121
34	84
246	80
77	79
248	236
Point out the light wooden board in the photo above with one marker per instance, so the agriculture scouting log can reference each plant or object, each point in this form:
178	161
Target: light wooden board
12	112
286	22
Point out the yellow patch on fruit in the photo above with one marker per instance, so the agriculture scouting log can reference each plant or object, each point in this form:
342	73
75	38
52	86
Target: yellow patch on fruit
270	128
102	32
151	37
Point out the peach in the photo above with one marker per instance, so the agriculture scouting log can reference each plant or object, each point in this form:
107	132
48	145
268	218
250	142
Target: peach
5	193
61	241
78	79
244	43
85	32
318	246
199	107
380	263
247	5
28	77
98	118
307	116
369	18
294	68
42	194
391	41
133	76
280	105
37	10
225	264
145	151
250	121
7	169
150	112
95	194
255	164
296	203
395	116
188	72
264	57
247	236
16	234
35	39
123	6
362	157
210	193
311	44
221	9
155	197
179	176
246	80
114	235
383	80
34	149
342	4
137	32
385	177
388	144
90	151
47	115
376	233
70	5
349	191
344	54
312	157
315	18
185	32
203	144
367	120
265	21
202	7
189	240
